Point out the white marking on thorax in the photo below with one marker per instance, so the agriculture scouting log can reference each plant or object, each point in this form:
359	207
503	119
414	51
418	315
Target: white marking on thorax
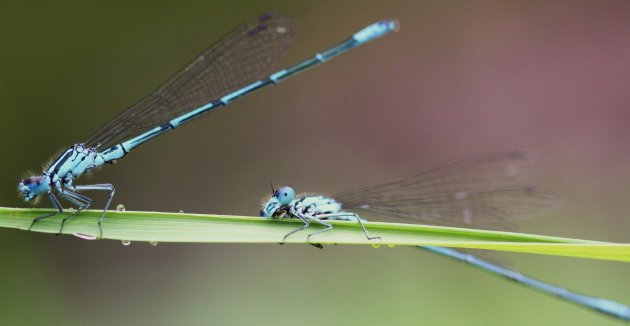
314	205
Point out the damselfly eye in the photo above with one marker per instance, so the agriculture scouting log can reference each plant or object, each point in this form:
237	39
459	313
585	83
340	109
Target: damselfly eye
284	195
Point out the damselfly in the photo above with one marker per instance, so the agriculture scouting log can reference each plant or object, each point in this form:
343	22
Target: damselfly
475	192
236	65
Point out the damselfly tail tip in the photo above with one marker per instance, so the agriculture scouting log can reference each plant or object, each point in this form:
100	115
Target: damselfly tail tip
392	24
377	30
388	25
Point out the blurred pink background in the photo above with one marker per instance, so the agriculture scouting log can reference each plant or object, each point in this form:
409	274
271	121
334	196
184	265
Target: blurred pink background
460	78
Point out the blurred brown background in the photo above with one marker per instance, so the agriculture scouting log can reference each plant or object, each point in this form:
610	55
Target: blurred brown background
460	78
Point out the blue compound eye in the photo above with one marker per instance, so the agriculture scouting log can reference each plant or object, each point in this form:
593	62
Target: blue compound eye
284	195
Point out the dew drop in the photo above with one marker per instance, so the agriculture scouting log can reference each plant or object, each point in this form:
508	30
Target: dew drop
84	236
391	245
153	243
120	207
125	242
376	245
281	29
181	211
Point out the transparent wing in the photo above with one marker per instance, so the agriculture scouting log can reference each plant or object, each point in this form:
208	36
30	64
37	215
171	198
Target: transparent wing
474	192
240	58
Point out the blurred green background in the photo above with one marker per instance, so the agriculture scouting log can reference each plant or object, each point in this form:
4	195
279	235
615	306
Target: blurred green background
459	78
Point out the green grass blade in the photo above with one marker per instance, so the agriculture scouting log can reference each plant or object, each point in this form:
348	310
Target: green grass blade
180	227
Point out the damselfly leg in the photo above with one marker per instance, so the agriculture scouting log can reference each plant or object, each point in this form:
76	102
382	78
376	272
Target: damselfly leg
55	202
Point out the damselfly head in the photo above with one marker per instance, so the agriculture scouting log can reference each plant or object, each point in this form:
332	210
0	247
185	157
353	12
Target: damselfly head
284	195
31	187
279	204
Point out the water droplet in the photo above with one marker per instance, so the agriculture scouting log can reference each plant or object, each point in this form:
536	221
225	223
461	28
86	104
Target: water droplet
120	207
153	243
125	242
391	245
84	236
181	211
281	29
376	245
